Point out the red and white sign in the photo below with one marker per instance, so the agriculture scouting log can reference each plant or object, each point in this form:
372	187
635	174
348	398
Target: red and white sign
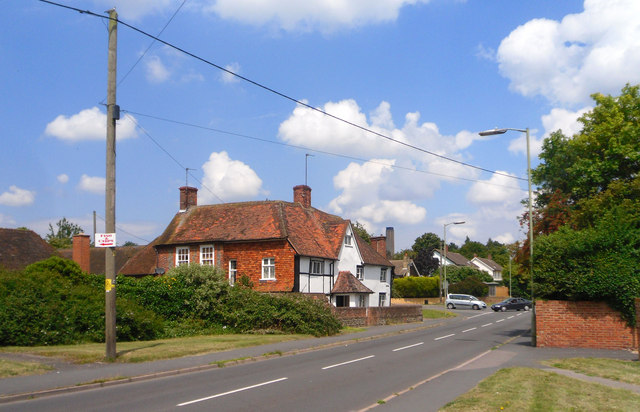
105	240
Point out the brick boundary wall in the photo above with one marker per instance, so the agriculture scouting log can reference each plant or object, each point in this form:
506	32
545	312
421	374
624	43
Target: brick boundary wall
376	316
565	324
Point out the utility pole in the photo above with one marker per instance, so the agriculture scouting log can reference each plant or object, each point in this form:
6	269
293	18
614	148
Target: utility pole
113	113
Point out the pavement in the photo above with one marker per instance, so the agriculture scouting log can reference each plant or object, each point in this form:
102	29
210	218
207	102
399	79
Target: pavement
68	377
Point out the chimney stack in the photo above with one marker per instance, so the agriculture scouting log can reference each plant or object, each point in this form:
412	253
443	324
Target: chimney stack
188	197
379	243
81	251
391	247
302	195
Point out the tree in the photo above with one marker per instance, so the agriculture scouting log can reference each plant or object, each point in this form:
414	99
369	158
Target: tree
361	231
130	243
62	238
427	241
426	263
472	248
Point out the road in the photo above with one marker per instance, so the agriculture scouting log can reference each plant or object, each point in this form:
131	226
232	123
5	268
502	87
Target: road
351	377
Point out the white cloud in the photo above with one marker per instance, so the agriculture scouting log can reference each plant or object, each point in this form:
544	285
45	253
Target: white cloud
6	221
563	119
310	14
227	77
89	124
92	184
157	72
498	189
17	197
587	52
519	144
231	180
63	178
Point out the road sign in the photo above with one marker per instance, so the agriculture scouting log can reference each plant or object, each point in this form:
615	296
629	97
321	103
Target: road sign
105	240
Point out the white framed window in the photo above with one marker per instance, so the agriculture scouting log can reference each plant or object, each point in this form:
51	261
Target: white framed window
269	268
362	301
206	255
233	271
383	274
317	267
360	272
348	240
182	255
382	299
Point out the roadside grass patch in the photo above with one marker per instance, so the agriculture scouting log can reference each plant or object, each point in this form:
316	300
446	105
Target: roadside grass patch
436	314
144	351
614	369
10	368
528	389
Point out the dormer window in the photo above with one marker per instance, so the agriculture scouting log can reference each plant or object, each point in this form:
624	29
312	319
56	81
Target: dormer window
348	240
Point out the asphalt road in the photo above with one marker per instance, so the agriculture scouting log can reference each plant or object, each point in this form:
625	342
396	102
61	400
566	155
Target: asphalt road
354	376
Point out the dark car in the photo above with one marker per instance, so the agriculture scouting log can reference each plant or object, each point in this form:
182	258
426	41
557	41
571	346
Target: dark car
512	303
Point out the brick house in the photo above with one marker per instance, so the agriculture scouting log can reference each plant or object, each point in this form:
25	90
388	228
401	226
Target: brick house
280	246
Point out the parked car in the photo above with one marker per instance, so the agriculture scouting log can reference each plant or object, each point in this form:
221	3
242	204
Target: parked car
512	303
459	301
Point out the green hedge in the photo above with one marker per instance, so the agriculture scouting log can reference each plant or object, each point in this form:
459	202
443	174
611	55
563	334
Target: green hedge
415	287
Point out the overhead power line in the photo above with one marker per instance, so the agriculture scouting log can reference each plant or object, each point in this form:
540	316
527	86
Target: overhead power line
283	95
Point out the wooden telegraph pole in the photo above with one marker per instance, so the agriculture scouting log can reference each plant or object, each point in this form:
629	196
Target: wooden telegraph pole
113	113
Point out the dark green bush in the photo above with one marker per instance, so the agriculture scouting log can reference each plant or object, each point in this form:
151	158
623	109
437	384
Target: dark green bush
471	285
457	274
415	287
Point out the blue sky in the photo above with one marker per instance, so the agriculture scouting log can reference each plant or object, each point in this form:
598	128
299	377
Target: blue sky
430	74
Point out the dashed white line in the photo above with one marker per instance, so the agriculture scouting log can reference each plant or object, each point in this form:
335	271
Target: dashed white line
486	324
510	317
469	330
407	347
443	337
501	320
348	362
230	392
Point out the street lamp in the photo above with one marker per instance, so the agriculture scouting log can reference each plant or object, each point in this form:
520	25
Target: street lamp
502	131
444	265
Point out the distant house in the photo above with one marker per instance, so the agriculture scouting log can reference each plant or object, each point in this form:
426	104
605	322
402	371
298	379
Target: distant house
92	259
21	247
493	269
280	246
405	267
453	258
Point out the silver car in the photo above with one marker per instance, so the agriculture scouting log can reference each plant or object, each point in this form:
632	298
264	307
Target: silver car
460	301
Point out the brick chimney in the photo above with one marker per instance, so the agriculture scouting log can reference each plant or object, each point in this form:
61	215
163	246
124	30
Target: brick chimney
81	253
188	197
302	195
379	243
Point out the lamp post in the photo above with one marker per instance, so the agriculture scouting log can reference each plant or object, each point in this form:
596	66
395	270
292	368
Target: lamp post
444	265
502	131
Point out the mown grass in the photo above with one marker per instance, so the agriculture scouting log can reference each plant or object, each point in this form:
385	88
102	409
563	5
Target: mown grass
143	351
528	389
437	314
9	368
614	369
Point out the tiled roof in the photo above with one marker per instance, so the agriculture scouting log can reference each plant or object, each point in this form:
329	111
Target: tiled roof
142	263
456	258
20	248
493	265
97	261
347	283
369	255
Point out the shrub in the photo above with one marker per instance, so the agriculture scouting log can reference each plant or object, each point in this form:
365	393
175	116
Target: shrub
415	287
471	285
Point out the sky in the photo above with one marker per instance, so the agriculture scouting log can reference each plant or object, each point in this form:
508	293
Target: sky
407	86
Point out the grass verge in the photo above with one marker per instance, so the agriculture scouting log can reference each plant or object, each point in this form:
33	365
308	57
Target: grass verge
614	369
144	351
9	368
518	389
437	314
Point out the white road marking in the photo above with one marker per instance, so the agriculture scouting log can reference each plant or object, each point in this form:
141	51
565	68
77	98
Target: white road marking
407	347
501	320
348	362
469	330
443	337
510	317
230	392
486	324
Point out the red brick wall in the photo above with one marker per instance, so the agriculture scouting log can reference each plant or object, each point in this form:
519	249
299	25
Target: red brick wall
567	324
373	316
249	261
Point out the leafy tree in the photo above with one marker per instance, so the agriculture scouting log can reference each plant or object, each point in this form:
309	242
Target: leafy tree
471	285
470	248
361	231
400	255
62	238
426	263
457	274
130	243
427	241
